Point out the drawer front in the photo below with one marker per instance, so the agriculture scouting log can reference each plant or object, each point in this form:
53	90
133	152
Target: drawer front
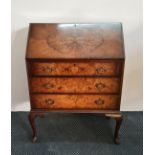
74	85
64	69
105	102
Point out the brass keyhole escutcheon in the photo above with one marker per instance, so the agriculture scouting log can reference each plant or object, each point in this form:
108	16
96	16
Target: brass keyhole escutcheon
74	69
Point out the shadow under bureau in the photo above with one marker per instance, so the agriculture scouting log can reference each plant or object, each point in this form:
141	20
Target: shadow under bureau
75	68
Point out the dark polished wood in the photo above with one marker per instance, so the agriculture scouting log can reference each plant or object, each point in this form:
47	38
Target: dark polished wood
75	41
75	68
118	118
32	117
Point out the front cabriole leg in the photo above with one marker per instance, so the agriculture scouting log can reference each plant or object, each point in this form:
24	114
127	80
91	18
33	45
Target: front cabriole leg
32	116
118	118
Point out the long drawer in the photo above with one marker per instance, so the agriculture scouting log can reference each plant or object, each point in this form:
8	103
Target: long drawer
78	69
74	85
105	102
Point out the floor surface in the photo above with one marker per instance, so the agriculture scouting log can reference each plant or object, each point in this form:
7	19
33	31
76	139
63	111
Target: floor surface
77	134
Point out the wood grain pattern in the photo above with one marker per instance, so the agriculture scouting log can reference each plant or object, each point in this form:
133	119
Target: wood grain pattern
75	85
76	68
75	41
110	102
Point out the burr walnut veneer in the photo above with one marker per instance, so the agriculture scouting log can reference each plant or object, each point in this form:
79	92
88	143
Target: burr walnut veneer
75	68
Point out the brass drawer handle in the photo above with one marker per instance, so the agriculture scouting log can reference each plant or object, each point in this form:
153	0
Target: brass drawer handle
48	69
99	102
100	86
100	70
49	101
48	85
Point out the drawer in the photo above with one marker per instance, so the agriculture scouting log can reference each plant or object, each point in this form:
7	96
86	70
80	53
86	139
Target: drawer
71	69
74	85
105	102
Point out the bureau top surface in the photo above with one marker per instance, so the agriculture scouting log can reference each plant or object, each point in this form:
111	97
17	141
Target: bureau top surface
75	41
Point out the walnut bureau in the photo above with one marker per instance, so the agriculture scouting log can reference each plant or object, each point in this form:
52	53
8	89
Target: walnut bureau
75	68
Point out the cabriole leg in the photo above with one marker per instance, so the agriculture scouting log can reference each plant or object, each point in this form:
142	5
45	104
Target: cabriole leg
118	118
117	128
32	116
